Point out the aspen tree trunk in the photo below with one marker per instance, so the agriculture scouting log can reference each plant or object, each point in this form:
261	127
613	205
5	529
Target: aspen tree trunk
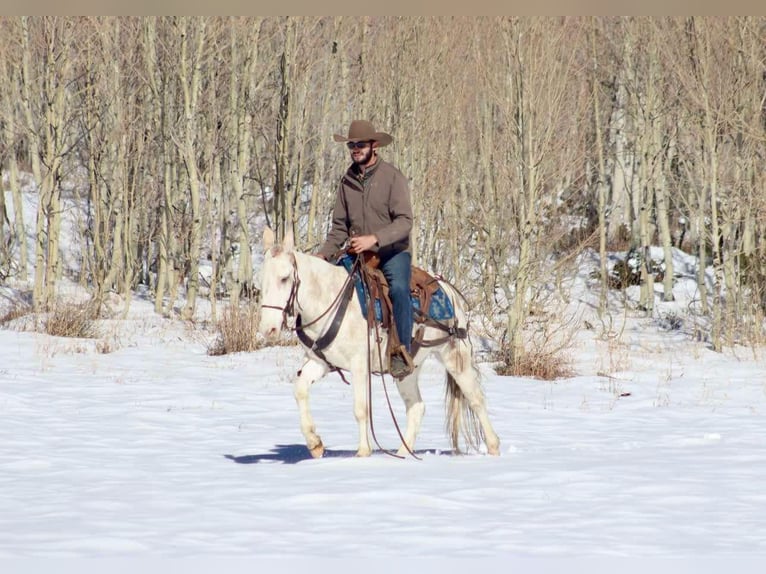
11	124
190	72
240	135
362	106
449	263
710	161
116	207
488	202
621	219
601	183
161	96
216	217
56	79
5	256
645	239
133	201
34	153
666	239
282	208
658	181
314	236
94	248
19	230
234	175
173	182
54	68
698	218
167	261
718	300
526	206
644	201
415	172
746	127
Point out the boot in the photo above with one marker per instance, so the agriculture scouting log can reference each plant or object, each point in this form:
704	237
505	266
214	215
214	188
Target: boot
400	363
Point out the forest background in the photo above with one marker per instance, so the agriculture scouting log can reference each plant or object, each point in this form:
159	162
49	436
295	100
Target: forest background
526	141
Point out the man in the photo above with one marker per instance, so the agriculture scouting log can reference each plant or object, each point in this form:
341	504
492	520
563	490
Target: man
374	200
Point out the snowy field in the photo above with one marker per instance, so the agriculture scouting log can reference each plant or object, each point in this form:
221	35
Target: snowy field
655	448
159	449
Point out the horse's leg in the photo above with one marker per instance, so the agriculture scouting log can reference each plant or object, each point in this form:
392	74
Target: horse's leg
416	408
312	370
359	380
457	358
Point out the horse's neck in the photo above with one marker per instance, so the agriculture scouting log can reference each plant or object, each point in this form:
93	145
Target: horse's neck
320	284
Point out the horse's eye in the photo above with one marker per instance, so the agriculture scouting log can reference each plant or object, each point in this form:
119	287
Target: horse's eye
284	280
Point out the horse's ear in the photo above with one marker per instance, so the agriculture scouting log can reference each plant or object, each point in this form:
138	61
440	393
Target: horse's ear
288	243
268	238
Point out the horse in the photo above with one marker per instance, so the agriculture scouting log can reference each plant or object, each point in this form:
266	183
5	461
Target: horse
304	288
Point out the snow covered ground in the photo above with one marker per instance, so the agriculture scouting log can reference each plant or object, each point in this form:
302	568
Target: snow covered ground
653	449
159	449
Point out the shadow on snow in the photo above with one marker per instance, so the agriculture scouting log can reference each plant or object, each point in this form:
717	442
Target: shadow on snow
295	453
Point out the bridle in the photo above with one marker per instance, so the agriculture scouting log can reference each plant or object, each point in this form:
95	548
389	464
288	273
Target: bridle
288	310
340	303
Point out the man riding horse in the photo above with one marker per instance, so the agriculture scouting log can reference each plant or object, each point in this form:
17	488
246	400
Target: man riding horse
373	213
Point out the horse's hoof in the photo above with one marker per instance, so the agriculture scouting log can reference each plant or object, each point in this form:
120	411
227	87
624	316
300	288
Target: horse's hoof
494	450
363	452
317	451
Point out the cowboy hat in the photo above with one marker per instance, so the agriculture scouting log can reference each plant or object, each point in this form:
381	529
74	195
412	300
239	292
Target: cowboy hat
361	130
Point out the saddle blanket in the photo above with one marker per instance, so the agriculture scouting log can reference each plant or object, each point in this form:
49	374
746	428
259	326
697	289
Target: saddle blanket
440	307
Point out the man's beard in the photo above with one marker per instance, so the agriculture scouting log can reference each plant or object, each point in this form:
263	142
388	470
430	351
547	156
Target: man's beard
361	162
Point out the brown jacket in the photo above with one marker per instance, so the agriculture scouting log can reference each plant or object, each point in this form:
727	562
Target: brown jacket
380	204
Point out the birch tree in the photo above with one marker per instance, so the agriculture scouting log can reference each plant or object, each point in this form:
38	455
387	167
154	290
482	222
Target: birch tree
16	241
45	100
535	73
193	37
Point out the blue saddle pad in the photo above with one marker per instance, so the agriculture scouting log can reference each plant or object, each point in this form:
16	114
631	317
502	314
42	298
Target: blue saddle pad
440	307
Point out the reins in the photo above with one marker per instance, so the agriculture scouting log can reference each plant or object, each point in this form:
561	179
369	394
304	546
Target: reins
372	324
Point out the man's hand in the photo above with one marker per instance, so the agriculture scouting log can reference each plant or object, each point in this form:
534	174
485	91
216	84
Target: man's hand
362	243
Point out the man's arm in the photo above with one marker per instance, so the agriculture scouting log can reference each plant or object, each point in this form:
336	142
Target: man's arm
400	209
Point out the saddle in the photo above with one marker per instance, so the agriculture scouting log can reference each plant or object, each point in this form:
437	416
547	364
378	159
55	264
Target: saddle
423	286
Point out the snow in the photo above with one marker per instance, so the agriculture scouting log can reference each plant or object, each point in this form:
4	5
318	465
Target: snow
654	448
159	449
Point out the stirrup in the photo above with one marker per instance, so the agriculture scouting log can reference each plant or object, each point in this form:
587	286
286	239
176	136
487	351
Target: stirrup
400	363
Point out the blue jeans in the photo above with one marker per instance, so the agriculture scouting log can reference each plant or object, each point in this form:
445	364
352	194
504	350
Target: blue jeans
397	272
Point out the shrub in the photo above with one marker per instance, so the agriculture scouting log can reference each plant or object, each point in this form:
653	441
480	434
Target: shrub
627	271
72	320
537	363
237	331
14	311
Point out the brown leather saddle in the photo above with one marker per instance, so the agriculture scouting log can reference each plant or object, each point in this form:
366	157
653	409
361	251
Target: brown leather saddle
422	287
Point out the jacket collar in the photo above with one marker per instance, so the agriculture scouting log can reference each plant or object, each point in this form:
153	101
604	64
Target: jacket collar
357	174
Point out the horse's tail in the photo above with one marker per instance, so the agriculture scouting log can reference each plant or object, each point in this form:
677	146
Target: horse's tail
461	419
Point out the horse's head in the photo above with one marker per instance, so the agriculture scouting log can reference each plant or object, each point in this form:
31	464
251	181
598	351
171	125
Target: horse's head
279	284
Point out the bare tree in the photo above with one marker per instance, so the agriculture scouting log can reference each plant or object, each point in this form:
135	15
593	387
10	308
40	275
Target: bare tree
16	235
45	101
530	94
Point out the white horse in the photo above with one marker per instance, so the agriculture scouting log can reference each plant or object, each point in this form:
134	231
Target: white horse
307	288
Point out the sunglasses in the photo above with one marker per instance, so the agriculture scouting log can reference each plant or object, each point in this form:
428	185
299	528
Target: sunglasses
357	145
